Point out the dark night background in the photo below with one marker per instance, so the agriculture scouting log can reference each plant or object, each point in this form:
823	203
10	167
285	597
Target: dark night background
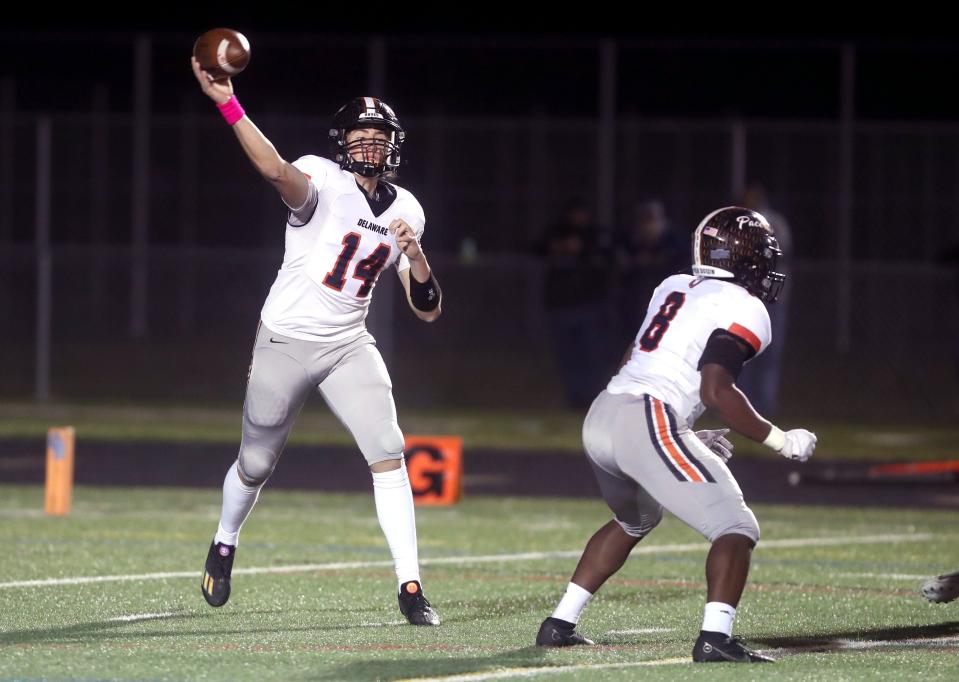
502	109
724	64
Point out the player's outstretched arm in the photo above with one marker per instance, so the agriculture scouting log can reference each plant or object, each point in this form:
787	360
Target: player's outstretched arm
719	394
292	185
423	292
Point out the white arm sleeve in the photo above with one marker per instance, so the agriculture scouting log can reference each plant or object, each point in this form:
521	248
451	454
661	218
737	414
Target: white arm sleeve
315	169
301	215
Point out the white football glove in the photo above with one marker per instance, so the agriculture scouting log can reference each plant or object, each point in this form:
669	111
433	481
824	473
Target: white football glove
799	445
715	440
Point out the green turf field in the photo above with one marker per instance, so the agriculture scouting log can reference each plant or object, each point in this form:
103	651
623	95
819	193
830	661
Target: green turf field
833	593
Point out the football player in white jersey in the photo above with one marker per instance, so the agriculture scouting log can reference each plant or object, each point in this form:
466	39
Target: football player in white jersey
699	331
345	225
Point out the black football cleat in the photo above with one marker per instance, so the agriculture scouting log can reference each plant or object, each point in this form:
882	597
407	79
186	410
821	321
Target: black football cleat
414	606
941	589
558	632
216	574
715	647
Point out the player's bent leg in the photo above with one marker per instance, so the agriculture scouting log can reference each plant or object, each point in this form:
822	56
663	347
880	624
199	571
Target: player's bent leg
605	554
636	514
238	500
727	567
358	390
693	483
276	391
277	387
393	498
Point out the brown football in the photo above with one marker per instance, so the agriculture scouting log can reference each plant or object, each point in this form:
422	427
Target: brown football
222	52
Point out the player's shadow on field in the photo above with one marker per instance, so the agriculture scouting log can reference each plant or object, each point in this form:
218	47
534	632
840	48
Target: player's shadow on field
835	641
99	631
432	666
509	606
497	607
96	630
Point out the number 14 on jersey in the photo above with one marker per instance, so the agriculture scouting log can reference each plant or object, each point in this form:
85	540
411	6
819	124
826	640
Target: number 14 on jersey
367	270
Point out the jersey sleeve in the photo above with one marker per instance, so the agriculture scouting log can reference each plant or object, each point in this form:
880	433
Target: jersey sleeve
413	214
316	171
750	323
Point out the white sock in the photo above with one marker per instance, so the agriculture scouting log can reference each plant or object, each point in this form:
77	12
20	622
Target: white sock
719	617
238	501
571	606
394	508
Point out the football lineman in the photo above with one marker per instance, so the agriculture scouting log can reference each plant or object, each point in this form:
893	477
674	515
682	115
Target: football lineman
345	224
698	332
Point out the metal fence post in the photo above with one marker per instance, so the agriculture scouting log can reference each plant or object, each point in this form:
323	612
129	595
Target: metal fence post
41	390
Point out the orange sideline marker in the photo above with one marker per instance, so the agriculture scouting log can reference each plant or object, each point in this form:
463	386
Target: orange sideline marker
59	487
435	467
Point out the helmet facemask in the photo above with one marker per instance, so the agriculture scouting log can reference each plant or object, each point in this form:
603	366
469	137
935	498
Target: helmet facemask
356	151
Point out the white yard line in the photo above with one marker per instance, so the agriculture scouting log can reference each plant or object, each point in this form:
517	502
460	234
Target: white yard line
640	631
389	623
467	560
885	576
856	644
544	670
143	616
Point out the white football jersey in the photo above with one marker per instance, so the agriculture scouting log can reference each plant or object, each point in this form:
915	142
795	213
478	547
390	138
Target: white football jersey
683	312
331	263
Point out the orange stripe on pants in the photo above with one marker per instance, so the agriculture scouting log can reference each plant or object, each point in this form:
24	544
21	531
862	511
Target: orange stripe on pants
662	428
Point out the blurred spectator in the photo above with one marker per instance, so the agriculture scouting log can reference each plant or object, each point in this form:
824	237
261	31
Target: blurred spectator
760	377
647	252
578	266
468	251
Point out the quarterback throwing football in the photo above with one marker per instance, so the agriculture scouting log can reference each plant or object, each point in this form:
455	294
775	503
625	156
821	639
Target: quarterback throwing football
698	332
345	224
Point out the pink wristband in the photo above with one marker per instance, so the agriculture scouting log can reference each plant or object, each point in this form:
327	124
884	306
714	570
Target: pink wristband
231	110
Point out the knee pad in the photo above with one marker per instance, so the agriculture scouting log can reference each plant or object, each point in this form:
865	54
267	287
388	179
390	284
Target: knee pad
742	524
646	523
256	464
386	442
266	408
391	438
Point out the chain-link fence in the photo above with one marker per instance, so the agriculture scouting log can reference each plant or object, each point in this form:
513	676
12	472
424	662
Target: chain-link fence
162	243
491	349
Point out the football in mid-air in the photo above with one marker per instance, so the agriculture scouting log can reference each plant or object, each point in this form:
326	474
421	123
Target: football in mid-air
222	52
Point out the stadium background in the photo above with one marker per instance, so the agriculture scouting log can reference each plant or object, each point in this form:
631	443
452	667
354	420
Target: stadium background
163	242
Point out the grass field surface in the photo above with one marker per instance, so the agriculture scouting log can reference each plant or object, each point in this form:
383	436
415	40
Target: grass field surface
111	592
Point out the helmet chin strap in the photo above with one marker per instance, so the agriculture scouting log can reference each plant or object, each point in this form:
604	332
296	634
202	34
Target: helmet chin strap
367	170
